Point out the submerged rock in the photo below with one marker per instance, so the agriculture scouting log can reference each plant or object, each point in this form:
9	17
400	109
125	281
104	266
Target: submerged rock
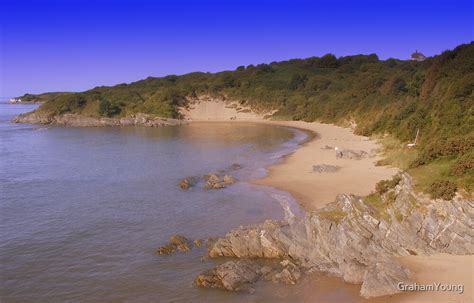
214	181
177	242
188	182
229	180
232	275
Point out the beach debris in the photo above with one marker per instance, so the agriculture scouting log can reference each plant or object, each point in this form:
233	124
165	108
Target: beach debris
176	242
326	147
326	168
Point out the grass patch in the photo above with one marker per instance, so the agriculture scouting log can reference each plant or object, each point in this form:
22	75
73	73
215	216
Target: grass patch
333	215
396	153
425	175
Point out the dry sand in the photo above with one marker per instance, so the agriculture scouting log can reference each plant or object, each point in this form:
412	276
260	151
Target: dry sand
314	190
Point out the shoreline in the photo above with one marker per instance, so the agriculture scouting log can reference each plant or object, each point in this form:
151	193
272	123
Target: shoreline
437	268
311	190
427	269
314	190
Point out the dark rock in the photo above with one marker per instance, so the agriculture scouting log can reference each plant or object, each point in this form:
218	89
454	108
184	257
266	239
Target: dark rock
177	242
235	166
188	182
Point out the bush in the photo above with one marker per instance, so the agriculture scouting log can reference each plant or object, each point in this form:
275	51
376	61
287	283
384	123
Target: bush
442	189
385	185
463	165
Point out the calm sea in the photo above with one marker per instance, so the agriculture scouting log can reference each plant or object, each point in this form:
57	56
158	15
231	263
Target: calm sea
82	210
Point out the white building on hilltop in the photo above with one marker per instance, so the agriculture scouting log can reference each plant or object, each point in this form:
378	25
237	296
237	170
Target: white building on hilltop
417	56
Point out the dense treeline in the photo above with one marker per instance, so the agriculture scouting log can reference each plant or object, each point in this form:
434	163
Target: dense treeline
390	96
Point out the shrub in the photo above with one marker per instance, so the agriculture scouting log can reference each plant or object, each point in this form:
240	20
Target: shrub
464	165
385	185
443	189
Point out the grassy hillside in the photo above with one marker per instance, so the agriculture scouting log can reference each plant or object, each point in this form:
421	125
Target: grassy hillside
383	97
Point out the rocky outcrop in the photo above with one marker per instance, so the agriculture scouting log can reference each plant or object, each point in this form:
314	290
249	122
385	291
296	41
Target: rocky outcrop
233	275
188	182
238	275
212	180
215	181
356	238
326	168
84	121
177	242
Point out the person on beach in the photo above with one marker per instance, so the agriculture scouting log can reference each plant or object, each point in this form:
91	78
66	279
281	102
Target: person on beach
338	153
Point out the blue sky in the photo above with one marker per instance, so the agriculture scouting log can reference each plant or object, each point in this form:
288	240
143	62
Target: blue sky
74	45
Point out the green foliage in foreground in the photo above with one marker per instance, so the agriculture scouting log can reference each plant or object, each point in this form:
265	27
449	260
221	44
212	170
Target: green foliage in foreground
391	96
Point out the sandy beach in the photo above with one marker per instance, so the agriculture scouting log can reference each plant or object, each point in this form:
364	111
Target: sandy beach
314	190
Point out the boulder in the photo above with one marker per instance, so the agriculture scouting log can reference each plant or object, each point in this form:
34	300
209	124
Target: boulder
383	278
176	242
228	179
290	274
232	275
188	182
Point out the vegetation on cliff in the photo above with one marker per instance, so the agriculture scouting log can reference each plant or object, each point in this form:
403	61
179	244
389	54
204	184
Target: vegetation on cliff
381	96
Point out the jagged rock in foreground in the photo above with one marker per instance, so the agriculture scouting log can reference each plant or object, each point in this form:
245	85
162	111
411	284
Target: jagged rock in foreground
356	238
238	275
84	121
233	275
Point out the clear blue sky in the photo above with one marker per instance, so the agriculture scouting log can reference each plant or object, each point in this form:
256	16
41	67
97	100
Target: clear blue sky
74	45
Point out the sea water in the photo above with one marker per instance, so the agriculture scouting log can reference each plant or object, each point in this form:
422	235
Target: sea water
83	210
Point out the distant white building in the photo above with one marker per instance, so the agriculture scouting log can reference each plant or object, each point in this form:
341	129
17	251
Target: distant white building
417	56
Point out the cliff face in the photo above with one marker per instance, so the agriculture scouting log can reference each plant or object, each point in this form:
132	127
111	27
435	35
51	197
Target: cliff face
84	121
356	240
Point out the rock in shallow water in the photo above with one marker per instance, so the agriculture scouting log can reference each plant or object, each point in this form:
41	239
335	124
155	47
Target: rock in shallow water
177	242
232	275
